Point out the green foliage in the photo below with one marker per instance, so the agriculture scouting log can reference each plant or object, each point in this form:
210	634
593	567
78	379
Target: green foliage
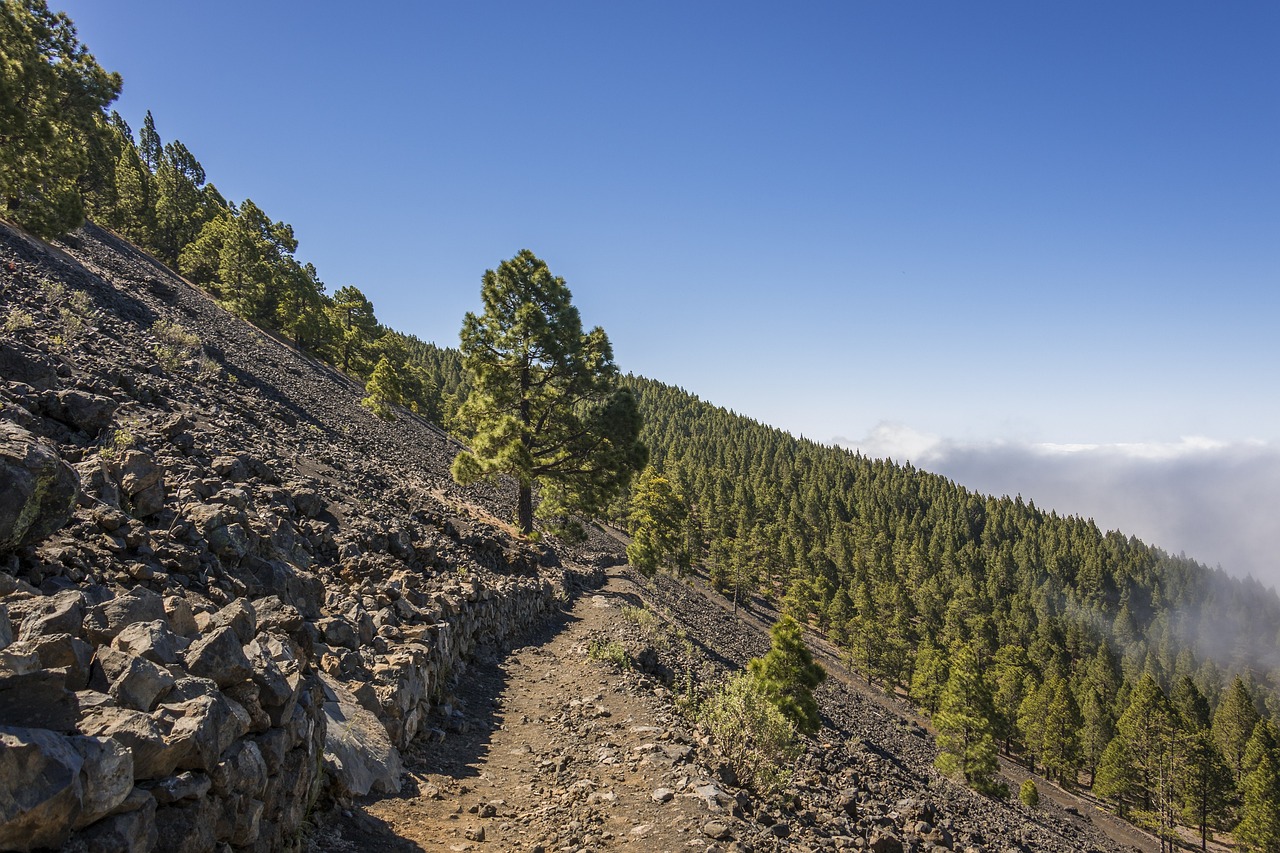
753	735
1204	786
174	344
53	95
1259	828
1028	795
544	403
787	675
384	390
657	522
1233	725
611	651
966	749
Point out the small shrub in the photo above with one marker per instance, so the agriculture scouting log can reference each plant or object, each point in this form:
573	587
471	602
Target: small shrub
1028	794
611	652
639	617
174	344
756	738
17	320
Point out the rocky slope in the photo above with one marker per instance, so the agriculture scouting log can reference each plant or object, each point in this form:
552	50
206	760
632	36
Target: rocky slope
231	598
225	588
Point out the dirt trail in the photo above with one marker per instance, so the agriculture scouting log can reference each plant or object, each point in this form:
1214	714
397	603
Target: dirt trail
552	752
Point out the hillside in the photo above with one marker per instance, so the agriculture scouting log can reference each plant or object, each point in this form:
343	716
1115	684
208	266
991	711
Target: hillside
247	572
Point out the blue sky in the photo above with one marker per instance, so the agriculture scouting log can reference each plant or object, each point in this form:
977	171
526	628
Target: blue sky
973	234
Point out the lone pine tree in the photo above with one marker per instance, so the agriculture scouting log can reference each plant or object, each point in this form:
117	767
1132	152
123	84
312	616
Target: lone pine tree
787	675
545	405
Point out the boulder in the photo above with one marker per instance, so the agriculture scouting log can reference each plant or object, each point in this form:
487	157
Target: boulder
104	621
239	616
86	412
62	613
50	784
63	651
38	699
205	727
154	756
151	640
40	490
358	755
41	792
131	830
136	682
220	657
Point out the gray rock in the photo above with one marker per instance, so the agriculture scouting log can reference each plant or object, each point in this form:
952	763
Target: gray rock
38	699
136	682
151	640
62	613
181	786
86	412
138	471
206	727
131	830
220	657
104	621
107	775
153	755
43	791
21	363
187	827
63	651
357	752
239	616
182	619
230	540
275	614
6	628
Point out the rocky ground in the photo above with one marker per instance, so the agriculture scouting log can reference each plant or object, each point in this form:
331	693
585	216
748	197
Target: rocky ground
234	606
557	747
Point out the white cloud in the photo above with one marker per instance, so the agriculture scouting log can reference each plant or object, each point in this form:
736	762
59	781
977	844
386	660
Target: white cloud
1216	501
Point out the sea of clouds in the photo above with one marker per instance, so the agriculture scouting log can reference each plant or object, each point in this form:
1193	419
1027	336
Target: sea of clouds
1217	502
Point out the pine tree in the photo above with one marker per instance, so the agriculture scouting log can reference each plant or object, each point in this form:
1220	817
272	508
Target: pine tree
656	522
384	390
1233	725
929	677
1259	828
787	674
965	746
53	95
545	404
1204	783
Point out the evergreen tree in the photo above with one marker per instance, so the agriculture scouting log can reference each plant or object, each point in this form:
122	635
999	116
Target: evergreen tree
181	209
1233	725
1259	828
150	148
1204	784
545	405
930	675
53	95
355	328
384	389
787	674
656	522
133	214
965	746
1117	779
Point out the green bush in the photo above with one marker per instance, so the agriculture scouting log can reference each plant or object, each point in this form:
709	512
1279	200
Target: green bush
756	738
1028	794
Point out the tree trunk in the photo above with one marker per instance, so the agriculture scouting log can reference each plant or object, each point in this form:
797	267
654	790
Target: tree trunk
524	508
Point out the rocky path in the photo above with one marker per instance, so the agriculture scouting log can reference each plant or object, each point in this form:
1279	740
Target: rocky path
550	750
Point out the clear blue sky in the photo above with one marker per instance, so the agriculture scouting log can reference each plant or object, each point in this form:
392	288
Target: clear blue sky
988	224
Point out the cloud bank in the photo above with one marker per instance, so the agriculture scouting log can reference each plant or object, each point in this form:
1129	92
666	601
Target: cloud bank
1217	502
